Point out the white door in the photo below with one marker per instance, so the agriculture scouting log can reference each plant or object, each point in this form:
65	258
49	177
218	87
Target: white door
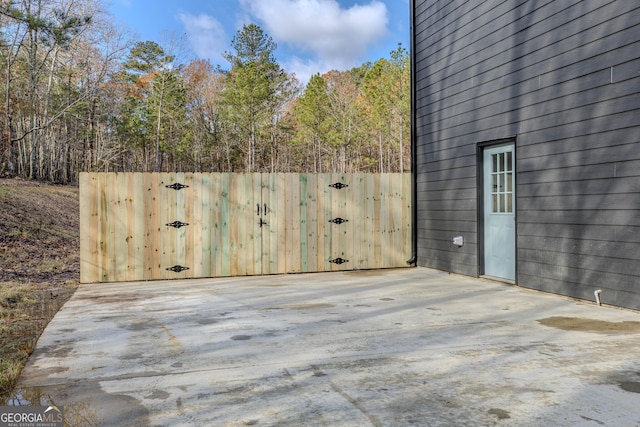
499	212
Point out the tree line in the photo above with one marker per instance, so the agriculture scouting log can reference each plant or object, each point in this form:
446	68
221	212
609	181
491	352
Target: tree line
78	95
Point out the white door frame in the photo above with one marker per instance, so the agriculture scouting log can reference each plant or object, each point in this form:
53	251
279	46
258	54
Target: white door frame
498	211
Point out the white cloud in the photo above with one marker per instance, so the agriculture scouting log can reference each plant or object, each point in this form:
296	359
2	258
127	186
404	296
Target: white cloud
336	38
206	35
305	68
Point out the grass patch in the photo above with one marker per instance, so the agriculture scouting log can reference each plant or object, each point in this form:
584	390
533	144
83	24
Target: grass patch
39	267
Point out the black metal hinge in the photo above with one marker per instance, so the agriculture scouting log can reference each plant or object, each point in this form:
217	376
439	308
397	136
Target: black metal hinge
177	186
177	268
338	220
338	185
339	261
177	224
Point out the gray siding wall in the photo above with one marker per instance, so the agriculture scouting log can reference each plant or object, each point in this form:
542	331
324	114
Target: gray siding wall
563	79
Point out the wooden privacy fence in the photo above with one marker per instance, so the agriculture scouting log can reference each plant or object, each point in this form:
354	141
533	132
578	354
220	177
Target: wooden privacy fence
147	226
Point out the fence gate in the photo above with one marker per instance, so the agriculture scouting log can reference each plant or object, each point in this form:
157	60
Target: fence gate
148	226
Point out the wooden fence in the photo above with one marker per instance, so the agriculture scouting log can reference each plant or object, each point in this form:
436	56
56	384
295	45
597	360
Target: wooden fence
136	226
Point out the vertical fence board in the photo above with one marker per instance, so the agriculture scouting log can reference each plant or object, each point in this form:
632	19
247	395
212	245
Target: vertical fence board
293	223
311	234
223	229
257	231
281	194
232	221
202	214
356	215
302	182
383	212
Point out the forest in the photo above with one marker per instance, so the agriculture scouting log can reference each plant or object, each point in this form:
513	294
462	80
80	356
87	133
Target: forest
80	94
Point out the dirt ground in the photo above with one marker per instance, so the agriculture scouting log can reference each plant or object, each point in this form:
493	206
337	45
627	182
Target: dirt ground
39	266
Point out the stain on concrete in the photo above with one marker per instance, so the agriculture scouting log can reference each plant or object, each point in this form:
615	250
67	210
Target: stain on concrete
107	299
61	351
54	370
630	386
158	394
387	299
172	338
591	419
140	326
131	356
369	273
500	413
177	365
208	321
241	337
113	410
316	306
591	325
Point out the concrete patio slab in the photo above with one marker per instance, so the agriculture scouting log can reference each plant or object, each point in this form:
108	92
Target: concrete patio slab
406	347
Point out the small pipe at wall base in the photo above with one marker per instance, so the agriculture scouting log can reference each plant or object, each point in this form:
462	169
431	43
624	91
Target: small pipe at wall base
597	294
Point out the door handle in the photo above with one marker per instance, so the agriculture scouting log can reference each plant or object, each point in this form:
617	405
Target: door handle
266	210
258	209
261	223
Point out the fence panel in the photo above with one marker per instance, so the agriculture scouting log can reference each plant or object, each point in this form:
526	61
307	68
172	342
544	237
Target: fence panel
148	226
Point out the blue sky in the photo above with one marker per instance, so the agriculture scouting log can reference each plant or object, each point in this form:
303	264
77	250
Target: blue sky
312	35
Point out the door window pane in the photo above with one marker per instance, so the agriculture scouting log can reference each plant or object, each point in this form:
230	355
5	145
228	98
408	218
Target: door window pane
502	182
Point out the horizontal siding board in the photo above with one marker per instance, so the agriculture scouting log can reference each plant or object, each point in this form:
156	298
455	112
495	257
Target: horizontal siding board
596	202
579	290
447	175
446	235
540	118
445	249
460	194
587	73
586	157
448	205
581	262
579	173
627	120
532	149
448	265
447	164
555	42
456	184
585	232
578	217
456	215
588	278
533	77
609	249
584	188
450	228
533	102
